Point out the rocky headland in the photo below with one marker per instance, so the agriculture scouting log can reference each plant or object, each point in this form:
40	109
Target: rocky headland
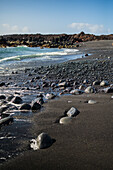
50	40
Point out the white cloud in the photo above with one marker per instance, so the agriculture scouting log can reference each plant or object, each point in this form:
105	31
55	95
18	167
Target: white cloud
6	26
25	29
7	29
91	28
14	28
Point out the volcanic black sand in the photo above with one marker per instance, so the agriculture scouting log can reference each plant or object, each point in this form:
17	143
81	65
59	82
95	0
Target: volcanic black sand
86	142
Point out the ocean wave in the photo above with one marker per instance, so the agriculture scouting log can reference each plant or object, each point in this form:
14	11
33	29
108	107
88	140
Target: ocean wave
52	55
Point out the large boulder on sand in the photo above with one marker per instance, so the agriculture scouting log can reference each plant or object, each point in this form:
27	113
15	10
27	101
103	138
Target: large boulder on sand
41	142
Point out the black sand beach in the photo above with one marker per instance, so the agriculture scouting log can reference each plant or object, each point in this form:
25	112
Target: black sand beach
86	142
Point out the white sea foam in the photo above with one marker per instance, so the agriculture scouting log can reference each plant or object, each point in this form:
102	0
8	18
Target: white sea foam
39	55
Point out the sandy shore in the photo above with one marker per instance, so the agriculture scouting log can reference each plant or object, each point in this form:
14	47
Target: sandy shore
85	143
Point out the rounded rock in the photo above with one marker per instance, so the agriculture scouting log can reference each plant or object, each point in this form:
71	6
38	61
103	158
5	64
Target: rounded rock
104	83
89	89
44	141
72	112
17	100
92	102
35	106
25	106
50	96
65	120
2	97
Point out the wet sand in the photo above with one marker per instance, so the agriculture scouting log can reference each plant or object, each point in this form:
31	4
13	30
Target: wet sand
85	143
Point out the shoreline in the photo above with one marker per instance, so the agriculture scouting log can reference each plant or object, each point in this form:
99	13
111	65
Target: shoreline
84	143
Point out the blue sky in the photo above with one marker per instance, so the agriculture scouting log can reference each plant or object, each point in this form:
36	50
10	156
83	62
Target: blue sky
56	16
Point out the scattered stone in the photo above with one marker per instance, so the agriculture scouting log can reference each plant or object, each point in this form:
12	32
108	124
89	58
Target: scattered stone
40	101
43	141
104	83
82	87
9	98
35	106
85	81
16	100
96	82
76	91
89	89
50	96
2	84
92	102
86	55
25	106
108	90
3	109
65	120
63	84
2	97
72	112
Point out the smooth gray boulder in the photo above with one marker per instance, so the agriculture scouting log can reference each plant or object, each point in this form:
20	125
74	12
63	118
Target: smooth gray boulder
41	142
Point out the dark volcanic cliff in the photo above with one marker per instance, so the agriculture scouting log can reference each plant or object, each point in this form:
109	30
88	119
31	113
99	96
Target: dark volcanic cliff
50	41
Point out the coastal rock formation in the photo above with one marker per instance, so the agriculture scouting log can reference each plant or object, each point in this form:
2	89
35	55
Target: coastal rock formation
50	40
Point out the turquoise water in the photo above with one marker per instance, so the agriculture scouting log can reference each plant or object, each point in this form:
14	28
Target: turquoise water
21	54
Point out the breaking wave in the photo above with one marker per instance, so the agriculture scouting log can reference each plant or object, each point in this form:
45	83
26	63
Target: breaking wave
23	53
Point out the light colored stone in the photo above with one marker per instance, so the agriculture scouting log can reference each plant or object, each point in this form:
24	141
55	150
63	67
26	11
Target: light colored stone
43	141
50	96
82	87
89	89
96	82
76	91
104	83
65	120
85	81
63	84
92	102
72	112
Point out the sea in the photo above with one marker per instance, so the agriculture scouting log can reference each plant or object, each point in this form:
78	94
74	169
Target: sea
23	55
